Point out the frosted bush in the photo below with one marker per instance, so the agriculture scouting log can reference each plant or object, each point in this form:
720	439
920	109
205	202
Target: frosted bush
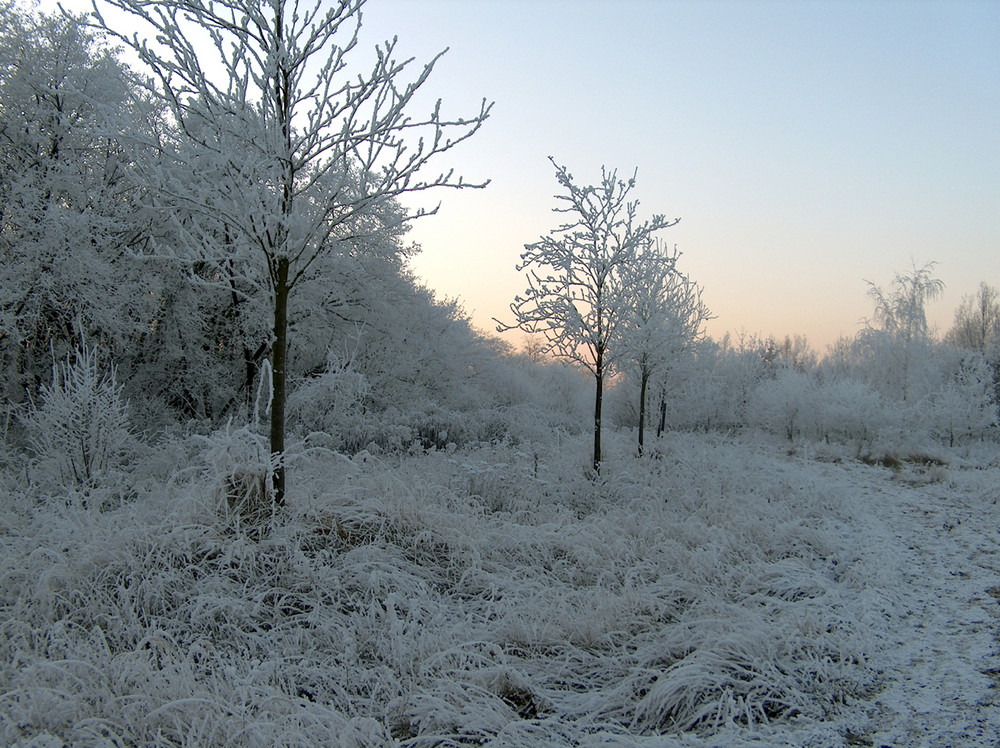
953	416
849	411
840	410
964	405
80	430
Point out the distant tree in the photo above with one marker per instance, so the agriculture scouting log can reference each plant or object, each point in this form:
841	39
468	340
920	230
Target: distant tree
664	318
964	403
977	328
399	366
798	354
782	404
743	364
841	358
922	389
718	381
900	308
532	348
304	155
577	293
900	337
977	321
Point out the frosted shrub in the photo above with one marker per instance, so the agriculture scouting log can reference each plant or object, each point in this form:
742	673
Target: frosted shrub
845	411
953	416
80	430
338	403
850	412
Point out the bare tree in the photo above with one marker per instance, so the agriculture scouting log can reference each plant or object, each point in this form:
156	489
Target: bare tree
977	321
901	320
305	153
664	319
577	291
900	308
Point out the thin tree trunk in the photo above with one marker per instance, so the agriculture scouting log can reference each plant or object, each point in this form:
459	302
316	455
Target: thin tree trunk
661	427
598	398
642	408
278	357
250	374
283	112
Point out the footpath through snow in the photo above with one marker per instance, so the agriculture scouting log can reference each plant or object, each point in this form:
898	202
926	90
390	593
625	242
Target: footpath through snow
937	530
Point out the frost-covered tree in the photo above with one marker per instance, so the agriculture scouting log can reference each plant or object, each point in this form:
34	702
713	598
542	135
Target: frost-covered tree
577	293
977	328
977	321
797	353
200	357
963	404
303	154
899	339
729	372
847	410
900	308
664	319
782	404
69	210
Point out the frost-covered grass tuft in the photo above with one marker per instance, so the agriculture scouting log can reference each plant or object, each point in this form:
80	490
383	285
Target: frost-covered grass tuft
491	596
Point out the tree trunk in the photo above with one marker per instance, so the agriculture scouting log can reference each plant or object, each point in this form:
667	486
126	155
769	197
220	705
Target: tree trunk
283	112
598	398
249	375
644	379
662	425
278	355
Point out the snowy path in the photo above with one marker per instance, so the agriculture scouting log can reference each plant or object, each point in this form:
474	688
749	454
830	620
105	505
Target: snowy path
942	539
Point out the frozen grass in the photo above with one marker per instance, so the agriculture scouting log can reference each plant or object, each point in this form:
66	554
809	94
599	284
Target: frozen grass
713	593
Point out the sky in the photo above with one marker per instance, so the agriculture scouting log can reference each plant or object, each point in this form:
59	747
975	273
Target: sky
807	147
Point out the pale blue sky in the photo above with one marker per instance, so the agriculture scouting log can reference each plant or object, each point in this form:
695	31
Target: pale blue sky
806	146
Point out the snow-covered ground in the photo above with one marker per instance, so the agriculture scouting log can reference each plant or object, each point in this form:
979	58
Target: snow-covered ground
943	541
724	592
